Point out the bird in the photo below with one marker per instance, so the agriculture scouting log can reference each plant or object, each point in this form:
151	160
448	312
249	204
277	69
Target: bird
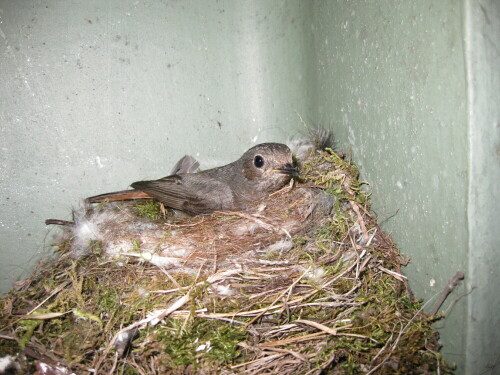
260	171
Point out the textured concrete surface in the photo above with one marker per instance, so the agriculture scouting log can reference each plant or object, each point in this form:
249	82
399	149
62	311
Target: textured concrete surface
483	77
391	82
96	95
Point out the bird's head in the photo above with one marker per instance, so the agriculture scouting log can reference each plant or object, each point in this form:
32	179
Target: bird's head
269	166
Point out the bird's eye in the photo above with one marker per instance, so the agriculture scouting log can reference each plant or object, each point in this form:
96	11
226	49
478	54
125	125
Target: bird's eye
258	161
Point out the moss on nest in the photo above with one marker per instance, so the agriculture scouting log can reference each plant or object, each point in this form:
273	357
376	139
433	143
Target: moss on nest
334	302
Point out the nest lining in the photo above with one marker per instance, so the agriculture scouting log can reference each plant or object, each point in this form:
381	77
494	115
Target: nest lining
306	282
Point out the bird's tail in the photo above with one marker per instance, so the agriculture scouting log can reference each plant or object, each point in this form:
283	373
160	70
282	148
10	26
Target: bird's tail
118	196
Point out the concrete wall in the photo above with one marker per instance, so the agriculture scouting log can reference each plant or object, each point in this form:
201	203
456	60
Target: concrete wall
483	79
413	89
97	94
391	81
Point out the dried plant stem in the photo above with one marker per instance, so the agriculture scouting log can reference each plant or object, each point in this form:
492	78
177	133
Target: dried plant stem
447	290
279	297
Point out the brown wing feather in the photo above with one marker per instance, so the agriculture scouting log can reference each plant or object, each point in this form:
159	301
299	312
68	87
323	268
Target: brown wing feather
118	196
187	193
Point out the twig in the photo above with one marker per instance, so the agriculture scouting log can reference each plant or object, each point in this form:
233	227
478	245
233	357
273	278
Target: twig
284	189
287	351
255	219
229	320
456	299
189	225
46	316
340	275
315	335
59	222
447	290
212	279
4	337
330	331
115	362
383	348
394	274
265	359
371	237
55	291
279	297
360	220
163	269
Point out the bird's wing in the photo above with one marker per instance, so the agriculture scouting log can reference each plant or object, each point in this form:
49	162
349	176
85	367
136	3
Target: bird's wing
188	193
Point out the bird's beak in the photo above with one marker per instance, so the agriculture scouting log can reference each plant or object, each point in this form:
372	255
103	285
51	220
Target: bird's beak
288	169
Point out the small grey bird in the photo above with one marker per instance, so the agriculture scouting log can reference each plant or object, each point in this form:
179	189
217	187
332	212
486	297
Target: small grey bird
263	169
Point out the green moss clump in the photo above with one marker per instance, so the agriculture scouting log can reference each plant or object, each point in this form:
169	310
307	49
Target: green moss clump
199	342
151	209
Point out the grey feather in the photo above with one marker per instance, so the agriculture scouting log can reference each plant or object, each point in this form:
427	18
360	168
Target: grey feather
187	164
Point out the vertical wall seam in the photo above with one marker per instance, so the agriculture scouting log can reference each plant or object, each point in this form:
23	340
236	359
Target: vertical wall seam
467	25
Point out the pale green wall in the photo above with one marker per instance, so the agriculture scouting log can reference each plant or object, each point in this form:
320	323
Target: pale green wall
391	82
483	78
413	89
98	94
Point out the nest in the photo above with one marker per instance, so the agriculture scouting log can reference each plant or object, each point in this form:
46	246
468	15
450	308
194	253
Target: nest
303	283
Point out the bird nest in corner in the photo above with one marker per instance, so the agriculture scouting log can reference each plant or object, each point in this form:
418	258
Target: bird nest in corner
305	282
